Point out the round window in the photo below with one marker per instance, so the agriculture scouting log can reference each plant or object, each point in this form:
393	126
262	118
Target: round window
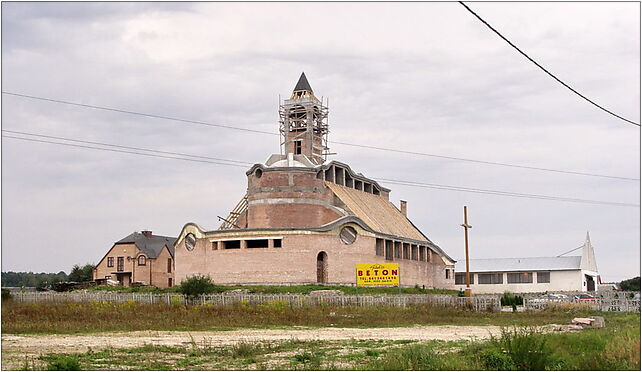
258	173
348	235
190	241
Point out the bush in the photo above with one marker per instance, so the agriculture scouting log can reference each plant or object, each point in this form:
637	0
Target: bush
63	363
197	285
526	347
496	360
6	295
509	299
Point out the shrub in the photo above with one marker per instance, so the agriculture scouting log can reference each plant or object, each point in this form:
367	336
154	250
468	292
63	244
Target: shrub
496	360
6	295
63	363
509	299
526	347
197	285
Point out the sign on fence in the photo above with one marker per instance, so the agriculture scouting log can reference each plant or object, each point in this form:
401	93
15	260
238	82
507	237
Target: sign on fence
378	275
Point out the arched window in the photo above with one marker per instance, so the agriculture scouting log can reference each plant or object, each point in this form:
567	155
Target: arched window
142	261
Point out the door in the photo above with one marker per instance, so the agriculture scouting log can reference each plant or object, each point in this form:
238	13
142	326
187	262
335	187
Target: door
322	267
590	283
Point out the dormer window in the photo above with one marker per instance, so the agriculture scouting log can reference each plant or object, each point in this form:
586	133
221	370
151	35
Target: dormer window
142	261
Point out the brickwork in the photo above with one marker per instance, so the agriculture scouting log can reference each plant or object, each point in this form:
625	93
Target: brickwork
153	272
295	261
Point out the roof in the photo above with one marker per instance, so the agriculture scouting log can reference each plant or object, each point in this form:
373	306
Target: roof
520	264
377	212
152	246
303	84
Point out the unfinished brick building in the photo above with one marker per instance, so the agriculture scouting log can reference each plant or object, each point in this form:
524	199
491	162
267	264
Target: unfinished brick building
305	220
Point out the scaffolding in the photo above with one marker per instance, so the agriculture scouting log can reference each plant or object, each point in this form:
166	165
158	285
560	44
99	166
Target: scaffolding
305	119
232	219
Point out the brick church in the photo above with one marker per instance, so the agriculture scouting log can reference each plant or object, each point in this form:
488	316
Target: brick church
305	220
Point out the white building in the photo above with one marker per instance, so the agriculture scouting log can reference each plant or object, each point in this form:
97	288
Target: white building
533	274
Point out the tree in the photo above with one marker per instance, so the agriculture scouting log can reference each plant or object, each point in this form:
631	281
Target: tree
81	274
632	284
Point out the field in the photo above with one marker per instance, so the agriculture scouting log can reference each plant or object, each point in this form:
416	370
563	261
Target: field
274	336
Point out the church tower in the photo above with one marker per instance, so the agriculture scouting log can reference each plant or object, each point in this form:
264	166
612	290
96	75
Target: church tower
304	123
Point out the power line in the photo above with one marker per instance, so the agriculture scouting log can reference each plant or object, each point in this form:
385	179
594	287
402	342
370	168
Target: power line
333	142
392	181
125	147
121	151
502	193
545	70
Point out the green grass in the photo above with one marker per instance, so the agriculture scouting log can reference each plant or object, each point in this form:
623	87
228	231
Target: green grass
616	347
294	289
131	316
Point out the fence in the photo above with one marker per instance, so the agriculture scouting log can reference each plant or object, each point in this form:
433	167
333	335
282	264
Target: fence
622	304
481	303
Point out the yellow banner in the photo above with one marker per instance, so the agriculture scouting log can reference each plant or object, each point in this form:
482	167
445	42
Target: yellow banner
372	275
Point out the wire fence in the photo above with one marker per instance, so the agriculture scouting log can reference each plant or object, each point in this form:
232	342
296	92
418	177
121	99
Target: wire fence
481	303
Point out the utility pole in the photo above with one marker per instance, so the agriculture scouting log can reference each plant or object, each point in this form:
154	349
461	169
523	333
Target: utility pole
466	226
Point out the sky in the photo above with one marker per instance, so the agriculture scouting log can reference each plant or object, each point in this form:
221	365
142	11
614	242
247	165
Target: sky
421	77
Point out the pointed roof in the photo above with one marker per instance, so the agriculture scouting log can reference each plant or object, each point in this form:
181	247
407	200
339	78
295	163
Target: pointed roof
588	255
303	84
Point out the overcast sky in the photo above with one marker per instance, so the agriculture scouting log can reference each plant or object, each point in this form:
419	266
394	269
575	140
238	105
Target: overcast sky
424	77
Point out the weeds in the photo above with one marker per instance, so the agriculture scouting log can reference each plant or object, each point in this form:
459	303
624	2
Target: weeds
63	363
107	316
526	348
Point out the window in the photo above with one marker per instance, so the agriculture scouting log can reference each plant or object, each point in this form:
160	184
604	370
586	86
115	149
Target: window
110	262
142	261
278	243
121	264
397	250
257	243
406	251
233	244
497	278
169	282
214	246
512	278
422	255
297	147
348	235
460	278
379	247
415	250
389	250
447	274
169	266
543	276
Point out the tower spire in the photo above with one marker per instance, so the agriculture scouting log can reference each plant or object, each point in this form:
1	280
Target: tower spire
303	84
304	123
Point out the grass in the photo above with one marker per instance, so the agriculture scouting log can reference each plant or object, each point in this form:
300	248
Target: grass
294	289
131	316
616	347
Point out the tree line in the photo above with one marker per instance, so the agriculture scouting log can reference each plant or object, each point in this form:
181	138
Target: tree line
45	280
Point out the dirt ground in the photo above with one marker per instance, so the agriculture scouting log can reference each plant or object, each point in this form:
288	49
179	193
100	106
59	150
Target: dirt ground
41	344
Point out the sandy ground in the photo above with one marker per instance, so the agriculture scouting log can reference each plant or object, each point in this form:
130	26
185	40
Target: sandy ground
41	344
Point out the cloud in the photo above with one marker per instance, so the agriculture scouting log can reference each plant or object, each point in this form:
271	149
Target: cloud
424	77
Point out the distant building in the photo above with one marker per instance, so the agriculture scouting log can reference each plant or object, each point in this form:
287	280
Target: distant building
140	257
305	220
537	274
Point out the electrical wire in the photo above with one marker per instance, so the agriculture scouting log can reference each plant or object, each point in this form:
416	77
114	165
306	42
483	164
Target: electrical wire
332	142
545	70
385	180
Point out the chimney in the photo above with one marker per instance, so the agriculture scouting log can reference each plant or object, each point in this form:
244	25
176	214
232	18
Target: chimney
147	233
404	207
